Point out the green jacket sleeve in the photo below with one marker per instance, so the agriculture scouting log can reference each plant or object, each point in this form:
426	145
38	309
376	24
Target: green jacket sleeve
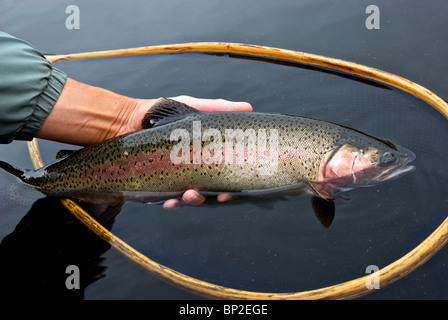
29	88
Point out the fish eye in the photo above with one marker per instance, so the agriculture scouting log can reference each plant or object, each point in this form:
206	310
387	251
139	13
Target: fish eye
386	159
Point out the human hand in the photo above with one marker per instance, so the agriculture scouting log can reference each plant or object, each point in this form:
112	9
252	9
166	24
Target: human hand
134	118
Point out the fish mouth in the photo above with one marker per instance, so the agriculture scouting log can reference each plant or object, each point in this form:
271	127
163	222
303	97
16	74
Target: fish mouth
404	167
394	173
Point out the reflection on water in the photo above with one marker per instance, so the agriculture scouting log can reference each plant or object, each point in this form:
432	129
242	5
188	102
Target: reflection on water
38	251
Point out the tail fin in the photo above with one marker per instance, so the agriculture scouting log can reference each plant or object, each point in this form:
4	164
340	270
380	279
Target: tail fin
13	187
11	169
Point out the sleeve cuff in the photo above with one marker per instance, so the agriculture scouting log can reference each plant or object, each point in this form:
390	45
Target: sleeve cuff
44	104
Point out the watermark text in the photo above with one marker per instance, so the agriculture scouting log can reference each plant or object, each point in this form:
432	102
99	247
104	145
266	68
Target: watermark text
73	20
373	20
72	281
373	281
233	146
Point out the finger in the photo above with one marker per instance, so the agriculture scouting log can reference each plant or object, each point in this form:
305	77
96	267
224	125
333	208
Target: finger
215	105
223	197
193	198
171	204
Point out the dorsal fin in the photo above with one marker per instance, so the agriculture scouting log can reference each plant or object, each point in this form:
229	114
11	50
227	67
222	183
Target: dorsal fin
165	111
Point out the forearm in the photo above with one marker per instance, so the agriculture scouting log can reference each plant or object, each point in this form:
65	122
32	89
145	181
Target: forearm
85	115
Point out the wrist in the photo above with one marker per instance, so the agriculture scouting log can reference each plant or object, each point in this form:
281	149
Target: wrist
136	110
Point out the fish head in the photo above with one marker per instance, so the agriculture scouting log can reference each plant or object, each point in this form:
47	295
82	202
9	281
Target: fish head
365	162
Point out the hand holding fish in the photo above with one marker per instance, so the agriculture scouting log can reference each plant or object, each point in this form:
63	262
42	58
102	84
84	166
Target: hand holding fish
86	115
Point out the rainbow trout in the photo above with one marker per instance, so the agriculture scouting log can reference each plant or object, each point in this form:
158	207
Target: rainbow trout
250	153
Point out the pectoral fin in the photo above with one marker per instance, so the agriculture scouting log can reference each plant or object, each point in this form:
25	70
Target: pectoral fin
324	210
323	191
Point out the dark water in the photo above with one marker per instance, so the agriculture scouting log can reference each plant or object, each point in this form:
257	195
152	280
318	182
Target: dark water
253	245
